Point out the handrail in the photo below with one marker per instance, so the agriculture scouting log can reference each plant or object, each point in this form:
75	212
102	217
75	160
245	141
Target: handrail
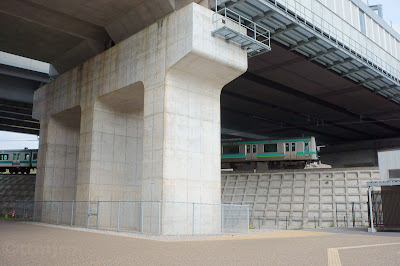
260	34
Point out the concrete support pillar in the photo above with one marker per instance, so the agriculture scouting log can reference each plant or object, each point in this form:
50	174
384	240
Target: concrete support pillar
150	126
58	163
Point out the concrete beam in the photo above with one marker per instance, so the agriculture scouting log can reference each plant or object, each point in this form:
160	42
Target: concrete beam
45	17
23	73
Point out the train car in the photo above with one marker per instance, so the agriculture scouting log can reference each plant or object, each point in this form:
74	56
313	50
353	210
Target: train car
291	153
18	161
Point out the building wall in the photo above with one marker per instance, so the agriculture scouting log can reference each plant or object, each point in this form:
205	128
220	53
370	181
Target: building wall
376	29
388	160
303	197
341	19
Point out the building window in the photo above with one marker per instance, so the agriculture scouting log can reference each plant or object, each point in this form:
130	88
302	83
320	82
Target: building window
230	149
270	147
394	173
362	23
3	157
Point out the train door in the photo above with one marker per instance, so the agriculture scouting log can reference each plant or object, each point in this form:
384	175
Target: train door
254	151
293	152
290	150
248	151
306	148
287	150
16	159
251	151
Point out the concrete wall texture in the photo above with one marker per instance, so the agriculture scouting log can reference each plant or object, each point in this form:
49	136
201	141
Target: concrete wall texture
141	120
301	195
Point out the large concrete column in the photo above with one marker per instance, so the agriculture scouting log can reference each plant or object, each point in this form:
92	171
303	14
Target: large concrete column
58	164
150	120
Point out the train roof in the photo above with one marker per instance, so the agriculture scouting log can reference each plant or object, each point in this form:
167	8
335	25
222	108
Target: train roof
20	150
276	140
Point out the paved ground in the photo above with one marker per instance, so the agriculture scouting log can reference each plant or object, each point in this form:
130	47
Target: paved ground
22	243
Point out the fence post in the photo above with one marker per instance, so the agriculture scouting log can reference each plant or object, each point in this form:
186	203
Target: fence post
371	215
119	209
315	222
193	219
97	217
58	210
353	214
248	219
88	220
337	223
141	213
72	213
159	217
23	215
34	211
222	218
286	222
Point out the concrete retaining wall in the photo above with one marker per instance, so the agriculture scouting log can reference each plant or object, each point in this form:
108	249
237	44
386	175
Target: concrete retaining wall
305	198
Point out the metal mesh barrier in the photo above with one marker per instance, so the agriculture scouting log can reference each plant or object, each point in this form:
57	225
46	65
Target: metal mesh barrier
149	217
235	218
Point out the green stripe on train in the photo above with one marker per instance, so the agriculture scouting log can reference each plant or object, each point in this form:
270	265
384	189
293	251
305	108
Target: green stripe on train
300	154
313	153
233	156
271	154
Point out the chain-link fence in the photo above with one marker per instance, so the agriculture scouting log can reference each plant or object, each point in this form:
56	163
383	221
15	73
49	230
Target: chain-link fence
149	217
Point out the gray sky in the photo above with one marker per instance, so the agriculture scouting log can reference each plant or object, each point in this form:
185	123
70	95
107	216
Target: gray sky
9	140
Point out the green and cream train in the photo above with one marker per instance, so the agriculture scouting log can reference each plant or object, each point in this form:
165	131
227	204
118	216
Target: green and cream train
18	161
291	153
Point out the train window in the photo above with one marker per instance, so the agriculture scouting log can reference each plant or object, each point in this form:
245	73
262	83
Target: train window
26	156
247	148
14	156
306	145
287	146
230	149
18	156
270	147
293	146
254	148
34	157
